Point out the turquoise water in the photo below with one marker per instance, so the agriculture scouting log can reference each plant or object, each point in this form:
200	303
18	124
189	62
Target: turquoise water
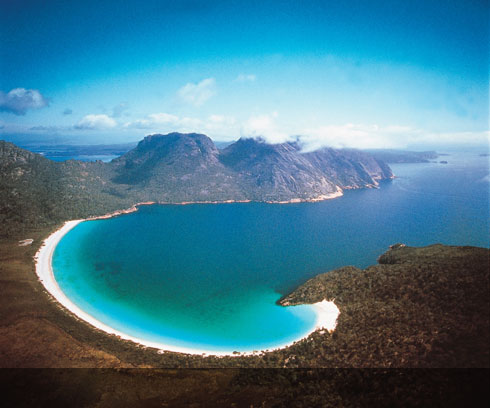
208	276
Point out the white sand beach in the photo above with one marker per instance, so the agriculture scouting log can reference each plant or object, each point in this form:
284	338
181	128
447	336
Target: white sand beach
322	197
327	311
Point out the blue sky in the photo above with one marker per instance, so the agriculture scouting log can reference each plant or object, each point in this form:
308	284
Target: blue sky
351	73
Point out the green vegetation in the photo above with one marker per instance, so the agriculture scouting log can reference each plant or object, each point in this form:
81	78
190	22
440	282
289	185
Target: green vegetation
247	388
420	307
37	192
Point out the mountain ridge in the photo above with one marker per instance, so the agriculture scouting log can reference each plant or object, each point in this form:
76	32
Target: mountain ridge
175	168
249	168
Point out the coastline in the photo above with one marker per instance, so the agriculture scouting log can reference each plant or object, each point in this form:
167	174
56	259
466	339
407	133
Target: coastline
129	210
326	311
134	207
322	197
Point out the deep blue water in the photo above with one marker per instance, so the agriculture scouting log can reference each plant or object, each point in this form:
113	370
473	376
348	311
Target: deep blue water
102	157
208	276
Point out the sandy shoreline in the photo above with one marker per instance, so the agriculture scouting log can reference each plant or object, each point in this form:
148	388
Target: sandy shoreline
322	197
327	312
129	210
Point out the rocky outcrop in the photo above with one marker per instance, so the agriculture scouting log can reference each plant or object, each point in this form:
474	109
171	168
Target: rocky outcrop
275	172
174	168
188	167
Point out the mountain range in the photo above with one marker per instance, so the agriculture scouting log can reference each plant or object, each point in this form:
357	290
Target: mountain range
175	168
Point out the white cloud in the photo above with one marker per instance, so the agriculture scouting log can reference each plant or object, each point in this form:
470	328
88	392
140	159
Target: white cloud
163	118
153	121
216	126
95	122
362	136
246	78
197	94
265	127
451	138
355	136
19	100
221	120
165	122
191	124
223	127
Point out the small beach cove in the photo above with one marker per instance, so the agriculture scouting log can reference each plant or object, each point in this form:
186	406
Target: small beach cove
326	312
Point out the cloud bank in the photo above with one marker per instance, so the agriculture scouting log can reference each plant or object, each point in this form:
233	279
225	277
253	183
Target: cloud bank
266	128
96	122
217	126
19	100
271	128
359	136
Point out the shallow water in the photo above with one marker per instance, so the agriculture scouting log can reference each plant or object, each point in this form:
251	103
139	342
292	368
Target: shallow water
207	276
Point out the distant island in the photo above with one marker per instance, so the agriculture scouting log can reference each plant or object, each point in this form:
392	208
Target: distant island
403	156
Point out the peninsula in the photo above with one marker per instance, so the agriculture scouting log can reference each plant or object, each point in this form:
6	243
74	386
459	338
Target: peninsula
174	168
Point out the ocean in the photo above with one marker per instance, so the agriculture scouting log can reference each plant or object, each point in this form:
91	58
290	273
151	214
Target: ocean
207	276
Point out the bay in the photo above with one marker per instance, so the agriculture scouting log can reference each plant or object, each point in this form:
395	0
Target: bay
207	276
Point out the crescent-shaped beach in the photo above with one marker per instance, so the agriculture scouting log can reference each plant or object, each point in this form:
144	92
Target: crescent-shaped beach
326	311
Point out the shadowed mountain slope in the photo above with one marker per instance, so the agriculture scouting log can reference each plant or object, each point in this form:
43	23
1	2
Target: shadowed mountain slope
349	168
275	172
174	168
188	167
